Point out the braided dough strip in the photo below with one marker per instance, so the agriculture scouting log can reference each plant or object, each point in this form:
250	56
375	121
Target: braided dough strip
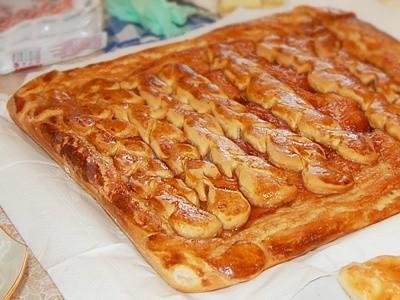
264	89
204	132
325	77
284	148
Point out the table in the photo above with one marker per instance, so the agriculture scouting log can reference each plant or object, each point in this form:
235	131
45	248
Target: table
35	284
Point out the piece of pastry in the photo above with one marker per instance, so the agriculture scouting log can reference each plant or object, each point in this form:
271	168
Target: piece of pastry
224	155
376	279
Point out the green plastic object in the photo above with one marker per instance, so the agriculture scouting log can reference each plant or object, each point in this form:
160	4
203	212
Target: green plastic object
160	17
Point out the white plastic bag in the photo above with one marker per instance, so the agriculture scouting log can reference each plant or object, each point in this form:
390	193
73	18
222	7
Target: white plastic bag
40	32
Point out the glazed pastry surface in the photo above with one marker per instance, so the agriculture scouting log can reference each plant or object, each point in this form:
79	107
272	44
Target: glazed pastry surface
224	155
376	279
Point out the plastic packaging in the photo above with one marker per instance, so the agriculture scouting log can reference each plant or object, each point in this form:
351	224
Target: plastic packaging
34	33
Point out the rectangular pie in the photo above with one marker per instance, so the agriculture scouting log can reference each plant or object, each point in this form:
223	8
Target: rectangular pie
224	155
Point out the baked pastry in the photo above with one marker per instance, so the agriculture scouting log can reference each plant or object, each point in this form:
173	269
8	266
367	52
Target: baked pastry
376	279
224	155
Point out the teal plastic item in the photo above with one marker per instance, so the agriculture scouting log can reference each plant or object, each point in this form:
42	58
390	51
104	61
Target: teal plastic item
160	17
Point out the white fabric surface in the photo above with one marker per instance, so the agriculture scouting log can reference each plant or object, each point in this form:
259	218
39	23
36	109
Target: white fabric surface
88	257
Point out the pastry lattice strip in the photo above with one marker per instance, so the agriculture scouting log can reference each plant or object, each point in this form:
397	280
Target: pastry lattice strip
170	144
327	46
285	149
264	89
325	77
253	173
150	177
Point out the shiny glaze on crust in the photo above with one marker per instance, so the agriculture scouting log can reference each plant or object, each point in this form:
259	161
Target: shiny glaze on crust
225	155
378	278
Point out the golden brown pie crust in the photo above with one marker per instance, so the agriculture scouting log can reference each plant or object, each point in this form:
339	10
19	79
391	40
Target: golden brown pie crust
224	155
